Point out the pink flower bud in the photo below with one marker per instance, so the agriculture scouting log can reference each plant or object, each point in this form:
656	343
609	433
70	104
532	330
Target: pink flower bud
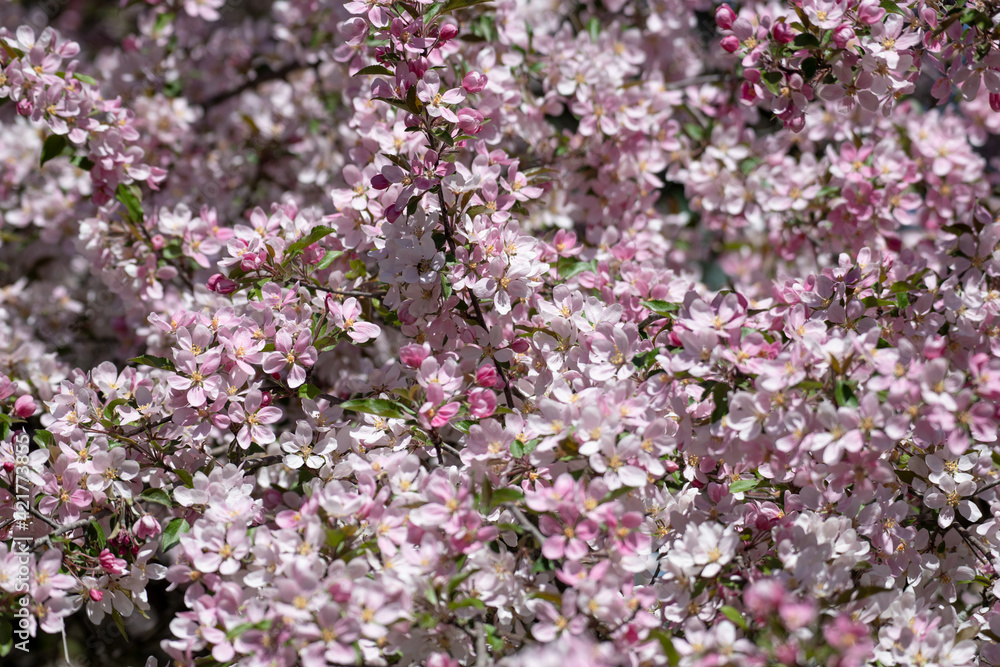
870	12
474	82
724	17
24	407
146	527
413	355
995	101
782	33
251	262
520	345
448	32
730	43
842	35
419	67
470	121
110	563
96	595
265	398
486	376
158	242
482	403
221	284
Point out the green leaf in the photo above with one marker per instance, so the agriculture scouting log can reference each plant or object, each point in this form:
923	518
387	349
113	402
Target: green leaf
82	162
694	131
309	391
594	28
467	602
452	5
372	70
155	362
501	496
809	67
741	485
185	477
162	21
130	196
667	644
329	258
96	534
43	438
172	533
335	537
844	395
158	496
720	394
891	7
316	234
376	406
457	580
120	622
734	615
53	147
805	41
664	308
519	449
577	268
6	637
85	78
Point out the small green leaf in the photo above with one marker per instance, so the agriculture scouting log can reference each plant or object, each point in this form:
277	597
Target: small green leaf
741	485
172	533
467	602
53	147
6	637
376	406
43	438
501	496
372	70
130	196
309	391
805	41
162	21
185	477
315	235
452	5
158	496
667	644
85	78
120	622
891	7
155	362
329	258
734	615
661	307
594	28
96	534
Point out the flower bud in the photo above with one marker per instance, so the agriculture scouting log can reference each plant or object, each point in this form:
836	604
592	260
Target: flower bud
842	35
782	33
470	121
24	407
449	31
995	101
413	355
158	242
486	376
221	284
730	43
474	82
96	595
146	527
724	17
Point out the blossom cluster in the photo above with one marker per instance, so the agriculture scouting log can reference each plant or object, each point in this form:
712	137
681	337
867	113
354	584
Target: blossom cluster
462	333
